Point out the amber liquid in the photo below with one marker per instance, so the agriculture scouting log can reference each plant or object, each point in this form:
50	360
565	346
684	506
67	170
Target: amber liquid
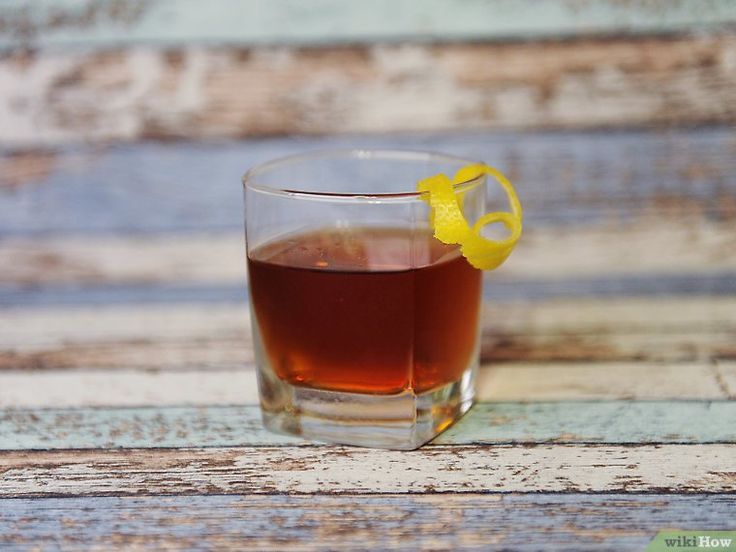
375	310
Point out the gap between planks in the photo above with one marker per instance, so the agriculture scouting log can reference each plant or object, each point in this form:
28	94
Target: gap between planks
610	422
334	470
502	382
565	522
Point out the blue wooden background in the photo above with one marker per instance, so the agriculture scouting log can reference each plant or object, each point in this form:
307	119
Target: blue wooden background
128	403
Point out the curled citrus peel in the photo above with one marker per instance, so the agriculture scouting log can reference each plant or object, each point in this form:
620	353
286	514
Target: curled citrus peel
451	226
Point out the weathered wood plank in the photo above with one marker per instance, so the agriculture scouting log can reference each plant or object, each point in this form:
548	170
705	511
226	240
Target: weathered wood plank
613	179
613	422
643	329
216	92
71	388
133	260
216	336
552	381
333	470
102	24
135	324
505	382
565	522
595	421
661	247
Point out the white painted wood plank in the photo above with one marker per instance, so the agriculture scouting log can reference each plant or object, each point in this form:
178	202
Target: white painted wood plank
570	381
217	336
46	327
619	315
330	470
37	329
73	388
180	259
505	382
661	246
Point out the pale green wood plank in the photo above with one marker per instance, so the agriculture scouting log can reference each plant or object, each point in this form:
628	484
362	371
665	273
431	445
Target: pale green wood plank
486	423
533	522
71	22
604	422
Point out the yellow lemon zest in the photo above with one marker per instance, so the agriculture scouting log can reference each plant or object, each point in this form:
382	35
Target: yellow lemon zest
451	226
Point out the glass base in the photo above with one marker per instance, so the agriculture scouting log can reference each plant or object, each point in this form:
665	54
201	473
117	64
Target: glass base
404	421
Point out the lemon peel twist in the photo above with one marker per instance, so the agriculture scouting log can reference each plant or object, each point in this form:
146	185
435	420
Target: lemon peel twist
451	226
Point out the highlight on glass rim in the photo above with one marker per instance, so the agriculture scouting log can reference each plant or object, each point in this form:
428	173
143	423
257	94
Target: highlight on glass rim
388	275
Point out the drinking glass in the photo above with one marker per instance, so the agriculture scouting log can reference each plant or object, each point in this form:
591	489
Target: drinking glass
365	326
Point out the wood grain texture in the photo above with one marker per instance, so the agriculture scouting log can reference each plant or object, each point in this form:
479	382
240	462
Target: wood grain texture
567	522
612	422
199	335
335	470
593	179
100	23
217	92
504	382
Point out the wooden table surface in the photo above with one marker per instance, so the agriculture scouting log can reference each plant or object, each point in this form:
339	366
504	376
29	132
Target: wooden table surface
607	397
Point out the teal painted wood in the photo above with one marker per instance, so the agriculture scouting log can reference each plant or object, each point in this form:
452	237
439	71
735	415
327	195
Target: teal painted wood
53	23
566	522
486	423
597	422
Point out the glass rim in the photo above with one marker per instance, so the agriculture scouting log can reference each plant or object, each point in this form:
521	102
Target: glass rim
356	153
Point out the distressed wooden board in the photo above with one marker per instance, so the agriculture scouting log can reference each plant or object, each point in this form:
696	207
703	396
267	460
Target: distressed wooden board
126	323
138	260
504	382
611	179
612	422
334	470
126	388
100	24
207	336
552	381
215	92
662	247
642	329
567	522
